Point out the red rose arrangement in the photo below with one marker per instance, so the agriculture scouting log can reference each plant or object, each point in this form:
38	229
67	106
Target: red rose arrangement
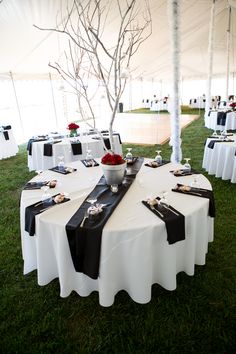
233	104
112	159
72	126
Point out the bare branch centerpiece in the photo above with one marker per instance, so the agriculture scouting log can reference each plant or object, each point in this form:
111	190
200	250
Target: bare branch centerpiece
103	38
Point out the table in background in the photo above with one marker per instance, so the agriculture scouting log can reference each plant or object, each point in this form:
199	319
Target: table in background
8	147
211	121
135	253
221	160
37	160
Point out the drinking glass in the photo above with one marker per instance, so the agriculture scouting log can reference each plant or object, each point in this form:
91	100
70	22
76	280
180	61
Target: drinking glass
214	133
46	196
195	183
129	155
114	188
163	197
187	165
158	157
89	156
61	164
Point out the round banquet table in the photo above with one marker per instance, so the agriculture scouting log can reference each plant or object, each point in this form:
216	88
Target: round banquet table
134	252
8	147
37	160
211	121
221	160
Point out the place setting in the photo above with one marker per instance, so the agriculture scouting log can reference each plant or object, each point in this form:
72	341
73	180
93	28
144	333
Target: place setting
89	160
187	170
61	168
174	220
158	161
47	202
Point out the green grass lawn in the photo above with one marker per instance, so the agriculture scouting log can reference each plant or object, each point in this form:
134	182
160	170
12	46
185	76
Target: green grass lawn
198	317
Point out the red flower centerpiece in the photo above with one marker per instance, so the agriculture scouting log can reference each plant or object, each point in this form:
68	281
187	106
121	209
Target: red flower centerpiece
113	166
233	105
73	128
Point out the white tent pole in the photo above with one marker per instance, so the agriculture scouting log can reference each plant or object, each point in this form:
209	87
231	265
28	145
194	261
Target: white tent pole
17	104
175	140
210	57
227	59
53	100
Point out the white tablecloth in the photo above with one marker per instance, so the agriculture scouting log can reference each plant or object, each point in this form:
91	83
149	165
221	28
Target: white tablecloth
37	161
221	160
135	253
211	121
9	147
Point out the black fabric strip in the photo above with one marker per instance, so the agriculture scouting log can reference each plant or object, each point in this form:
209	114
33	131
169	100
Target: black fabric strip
85	242
47	149
30	142
212	142
221	118
77	148
6	135
202	193
175	224
6	127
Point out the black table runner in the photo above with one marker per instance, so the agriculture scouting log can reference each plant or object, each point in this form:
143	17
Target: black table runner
6	135
212	142
76	148
47	148
85	242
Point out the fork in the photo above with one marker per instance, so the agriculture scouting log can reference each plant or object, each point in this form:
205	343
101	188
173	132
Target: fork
86	215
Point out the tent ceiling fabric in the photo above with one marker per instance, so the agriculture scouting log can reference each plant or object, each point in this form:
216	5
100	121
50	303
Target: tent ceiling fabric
26	51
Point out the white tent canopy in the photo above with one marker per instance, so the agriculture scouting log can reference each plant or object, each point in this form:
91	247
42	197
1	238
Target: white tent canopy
26	51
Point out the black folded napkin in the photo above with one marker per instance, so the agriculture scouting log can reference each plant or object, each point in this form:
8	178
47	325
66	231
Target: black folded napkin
183	172
200	192
37	208
175	224
6	127
47	149
85	242
76	148
6	135
164	162
212	142
90	163
35	185
63	171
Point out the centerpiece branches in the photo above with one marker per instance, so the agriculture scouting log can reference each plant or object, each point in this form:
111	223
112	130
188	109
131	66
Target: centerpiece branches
103	37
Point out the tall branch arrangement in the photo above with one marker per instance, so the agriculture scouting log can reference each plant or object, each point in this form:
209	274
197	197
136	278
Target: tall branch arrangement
98	52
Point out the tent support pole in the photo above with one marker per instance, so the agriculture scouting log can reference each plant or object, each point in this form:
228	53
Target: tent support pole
175	140
227	58
17	104
53	100
210	57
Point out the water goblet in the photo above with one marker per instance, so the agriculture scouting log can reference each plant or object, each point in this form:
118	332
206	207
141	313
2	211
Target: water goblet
195	183
158	157
187	165
129	155
89	156
61	164
163	198
46	196
214	133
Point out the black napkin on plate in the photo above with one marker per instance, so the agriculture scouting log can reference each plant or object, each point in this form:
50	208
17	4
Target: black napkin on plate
184	172
131	161
164	162
35	185
90	163
200	192
63	171
212	142
175	224
85	242
6	135
76	148
37	208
